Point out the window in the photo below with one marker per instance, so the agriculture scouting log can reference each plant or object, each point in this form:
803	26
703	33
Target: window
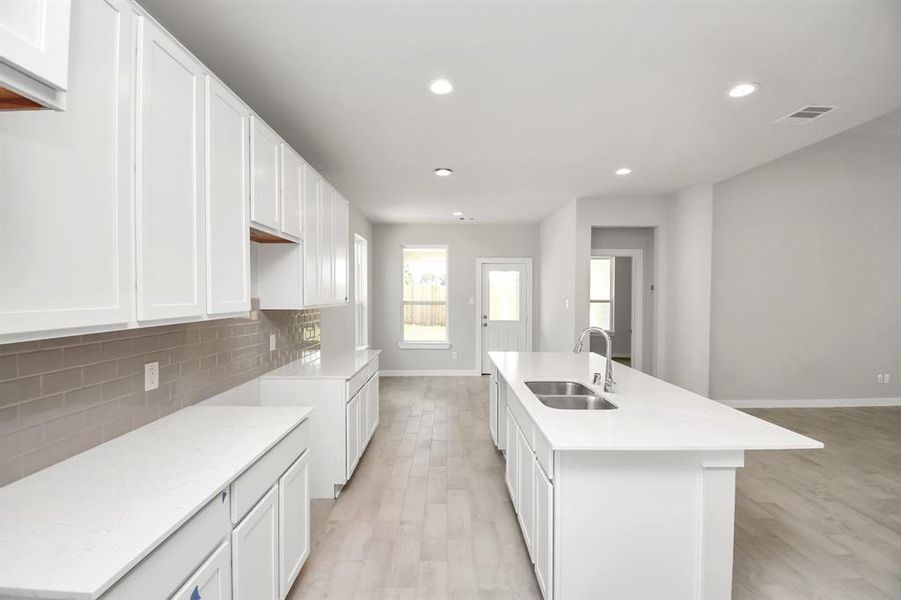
425	296
503	295
601	285
361	287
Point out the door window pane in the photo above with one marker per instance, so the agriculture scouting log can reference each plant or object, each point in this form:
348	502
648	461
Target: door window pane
503	295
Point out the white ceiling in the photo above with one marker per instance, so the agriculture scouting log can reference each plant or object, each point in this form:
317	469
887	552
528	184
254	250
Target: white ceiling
550	97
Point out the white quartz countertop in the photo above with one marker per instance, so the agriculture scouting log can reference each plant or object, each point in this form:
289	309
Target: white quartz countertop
75	528
651	415
326	366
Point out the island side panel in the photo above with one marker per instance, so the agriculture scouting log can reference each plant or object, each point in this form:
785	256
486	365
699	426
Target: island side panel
648	524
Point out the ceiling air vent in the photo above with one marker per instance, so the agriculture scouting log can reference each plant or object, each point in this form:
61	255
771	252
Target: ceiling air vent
806	114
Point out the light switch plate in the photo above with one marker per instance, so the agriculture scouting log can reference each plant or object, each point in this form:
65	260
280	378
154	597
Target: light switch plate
271	342
151	376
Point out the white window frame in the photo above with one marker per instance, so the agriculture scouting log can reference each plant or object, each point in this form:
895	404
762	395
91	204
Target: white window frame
612	301
361	292
417	344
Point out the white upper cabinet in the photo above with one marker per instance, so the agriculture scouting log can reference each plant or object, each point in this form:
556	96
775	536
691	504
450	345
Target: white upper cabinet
265	150
227	200
342	232
66	200
327	245
292	191
312	209
34	49
170	215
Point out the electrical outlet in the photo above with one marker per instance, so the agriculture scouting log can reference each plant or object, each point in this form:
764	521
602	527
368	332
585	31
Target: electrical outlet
151	376
880	378
271	342
454	355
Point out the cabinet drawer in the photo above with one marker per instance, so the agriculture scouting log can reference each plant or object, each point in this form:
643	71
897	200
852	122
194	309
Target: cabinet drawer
359	380
259	477
173	561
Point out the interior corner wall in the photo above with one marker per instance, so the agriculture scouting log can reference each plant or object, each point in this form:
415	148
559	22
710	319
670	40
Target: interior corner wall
556	261
338	323
806	277
465	242
687	311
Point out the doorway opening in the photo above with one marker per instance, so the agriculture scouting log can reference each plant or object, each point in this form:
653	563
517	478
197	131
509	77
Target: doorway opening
620	293
504	303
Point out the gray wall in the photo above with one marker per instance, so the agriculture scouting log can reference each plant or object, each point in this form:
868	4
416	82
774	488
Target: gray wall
806	278
557	265
466	243
339	322
687	310
622	316
633	238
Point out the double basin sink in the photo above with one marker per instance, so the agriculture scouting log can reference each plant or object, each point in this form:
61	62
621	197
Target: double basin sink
568	395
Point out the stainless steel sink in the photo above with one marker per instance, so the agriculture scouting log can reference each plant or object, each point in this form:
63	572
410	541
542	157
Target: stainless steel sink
568	395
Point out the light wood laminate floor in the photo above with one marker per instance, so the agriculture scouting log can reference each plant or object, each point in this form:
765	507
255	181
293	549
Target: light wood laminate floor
427	515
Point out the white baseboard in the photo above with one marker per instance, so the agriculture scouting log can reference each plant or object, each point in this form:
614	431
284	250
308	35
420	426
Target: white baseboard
813	403
429	373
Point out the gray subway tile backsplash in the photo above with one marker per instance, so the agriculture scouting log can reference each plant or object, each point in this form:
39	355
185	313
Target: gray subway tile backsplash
62	396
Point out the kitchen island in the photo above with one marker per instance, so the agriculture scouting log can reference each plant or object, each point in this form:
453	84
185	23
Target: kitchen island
637	501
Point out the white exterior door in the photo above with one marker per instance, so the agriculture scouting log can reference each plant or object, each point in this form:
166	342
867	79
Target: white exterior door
170	215
505	306
68	264
227	207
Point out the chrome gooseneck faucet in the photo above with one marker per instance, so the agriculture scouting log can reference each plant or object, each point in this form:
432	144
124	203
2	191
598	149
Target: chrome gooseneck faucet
609	384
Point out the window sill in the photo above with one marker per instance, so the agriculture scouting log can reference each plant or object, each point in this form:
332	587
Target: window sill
423	345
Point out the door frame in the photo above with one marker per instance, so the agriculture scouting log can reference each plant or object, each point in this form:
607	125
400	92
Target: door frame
527	261
636	254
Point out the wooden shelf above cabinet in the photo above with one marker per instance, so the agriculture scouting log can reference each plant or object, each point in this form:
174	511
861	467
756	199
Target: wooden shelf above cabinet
264	237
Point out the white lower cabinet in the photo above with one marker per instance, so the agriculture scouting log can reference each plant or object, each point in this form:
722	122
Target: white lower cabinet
352	433
543	536
532	493
212	581
293	522
511	470
255	552
525	494
373	398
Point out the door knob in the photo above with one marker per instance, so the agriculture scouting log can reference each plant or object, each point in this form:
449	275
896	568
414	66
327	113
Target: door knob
484	316
484	324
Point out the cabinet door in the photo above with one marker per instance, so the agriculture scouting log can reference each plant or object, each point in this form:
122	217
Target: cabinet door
255	551
365	395
227	200
327	245
526	492
352	435
373	404
67	263
511	471
311	215
293	522
543	538
265	150
212	580
342	232
170	214
292	191
492	410
34	38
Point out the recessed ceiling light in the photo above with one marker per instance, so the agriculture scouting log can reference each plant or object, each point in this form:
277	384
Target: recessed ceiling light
623	171
742	89
442	172
458	213
441	87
